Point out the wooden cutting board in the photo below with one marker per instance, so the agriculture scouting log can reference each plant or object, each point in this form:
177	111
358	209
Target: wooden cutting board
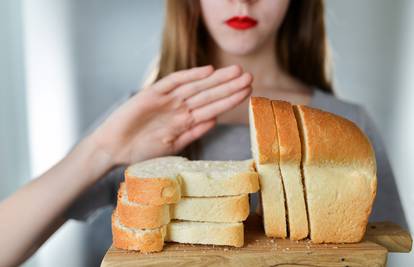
260	250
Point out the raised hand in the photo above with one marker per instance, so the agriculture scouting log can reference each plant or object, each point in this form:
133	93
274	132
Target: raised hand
173	112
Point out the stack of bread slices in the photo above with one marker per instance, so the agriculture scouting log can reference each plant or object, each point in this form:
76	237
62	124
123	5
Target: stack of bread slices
174	199
317	172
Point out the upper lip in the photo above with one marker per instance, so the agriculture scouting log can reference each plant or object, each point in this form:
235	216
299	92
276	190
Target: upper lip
241	22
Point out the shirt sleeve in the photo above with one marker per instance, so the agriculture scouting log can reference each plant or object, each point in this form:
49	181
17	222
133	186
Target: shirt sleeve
387	205
93	201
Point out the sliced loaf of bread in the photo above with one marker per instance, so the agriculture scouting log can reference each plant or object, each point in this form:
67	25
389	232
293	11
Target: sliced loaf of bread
265	150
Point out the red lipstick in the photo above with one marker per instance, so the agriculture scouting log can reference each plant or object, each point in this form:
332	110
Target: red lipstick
241	23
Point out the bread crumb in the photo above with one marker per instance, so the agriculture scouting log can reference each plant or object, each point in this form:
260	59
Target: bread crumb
225	249
335	247
272	240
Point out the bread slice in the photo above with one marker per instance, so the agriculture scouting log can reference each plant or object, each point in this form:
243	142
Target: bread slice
144	240
340	176
206	209
137	215
155	181
265	149
289	160
208	233
165	180
218	178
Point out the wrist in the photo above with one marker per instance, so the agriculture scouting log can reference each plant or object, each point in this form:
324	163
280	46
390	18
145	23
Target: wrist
96	157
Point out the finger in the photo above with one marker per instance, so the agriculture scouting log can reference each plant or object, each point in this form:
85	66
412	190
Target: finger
172	81
218	77
194	133
219	92
216	108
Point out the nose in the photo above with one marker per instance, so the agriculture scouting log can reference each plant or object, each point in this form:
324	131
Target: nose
243	5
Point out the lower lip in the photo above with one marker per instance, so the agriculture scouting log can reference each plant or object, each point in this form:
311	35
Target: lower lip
242	23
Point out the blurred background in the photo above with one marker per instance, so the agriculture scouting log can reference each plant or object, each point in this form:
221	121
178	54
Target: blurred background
63	63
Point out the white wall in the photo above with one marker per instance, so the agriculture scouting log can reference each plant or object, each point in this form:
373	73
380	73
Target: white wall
52	110
14	148
81	57
14	160
401	146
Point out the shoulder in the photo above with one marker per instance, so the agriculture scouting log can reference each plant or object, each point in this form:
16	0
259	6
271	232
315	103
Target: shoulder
346	109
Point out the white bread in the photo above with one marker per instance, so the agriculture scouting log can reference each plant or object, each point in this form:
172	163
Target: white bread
207	209
144	240
218	178
208	233
290	158
265	149
165	180
340	176
220	209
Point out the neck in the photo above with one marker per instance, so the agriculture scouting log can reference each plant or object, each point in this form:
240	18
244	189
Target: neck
262	64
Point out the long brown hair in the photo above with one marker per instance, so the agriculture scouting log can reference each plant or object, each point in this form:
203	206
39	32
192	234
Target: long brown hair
301	41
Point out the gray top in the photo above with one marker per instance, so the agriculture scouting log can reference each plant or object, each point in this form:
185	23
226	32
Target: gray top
232	142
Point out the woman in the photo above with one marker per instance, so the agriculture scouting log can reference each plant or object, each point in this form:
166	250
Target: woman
280	43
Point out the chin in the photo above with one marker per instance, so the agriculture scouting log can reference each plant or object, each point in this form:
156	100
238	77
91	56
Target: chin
239	48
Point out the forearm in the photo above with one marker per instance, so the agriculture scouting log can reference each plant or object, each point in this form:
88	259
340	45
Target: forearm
27	215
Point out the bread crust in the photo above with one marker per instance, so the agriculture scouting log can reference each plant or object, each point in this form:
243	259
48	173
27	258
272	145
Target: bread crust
152	191
287	131
140	216
265	130
144	241
331	139
290	158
